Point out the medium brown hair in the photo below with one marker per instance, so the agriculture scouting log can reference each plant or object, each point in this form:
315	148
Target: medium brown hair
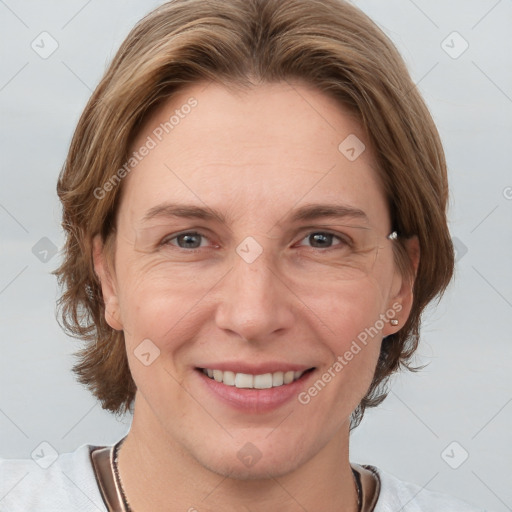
328	44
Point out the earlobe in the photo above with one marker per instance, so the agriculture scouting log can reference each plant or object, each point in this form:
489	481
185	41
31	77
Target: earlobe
108	288
400	303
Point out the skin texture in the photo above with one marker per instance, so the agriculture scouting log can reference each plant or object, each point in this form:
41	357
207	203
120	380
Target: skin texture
255	156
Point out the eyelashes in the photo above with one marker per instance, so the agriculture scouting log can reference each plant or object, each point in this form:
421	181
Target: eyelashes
192	241
187	237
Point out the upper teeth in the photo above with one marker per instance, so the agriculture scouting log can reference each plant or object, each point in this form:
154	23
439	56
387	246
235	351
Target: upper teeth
245	380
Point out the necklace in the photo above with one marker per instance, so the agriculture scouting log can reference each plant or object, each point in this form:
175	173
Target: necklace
117	478
127	508
359	487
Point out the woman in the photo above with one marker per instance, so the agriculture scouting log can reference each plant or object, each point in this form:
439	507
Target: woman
255	208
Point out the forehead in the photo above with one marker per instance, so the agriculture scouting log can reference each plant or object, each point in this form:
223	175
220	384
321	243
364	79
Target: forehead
270	148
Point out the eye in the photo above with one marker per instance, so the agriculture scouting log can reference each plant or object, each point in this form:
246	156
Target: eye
322	239
189	240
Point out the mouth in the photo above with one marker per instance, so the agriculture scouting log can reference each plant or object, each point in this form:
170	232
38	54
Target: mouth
253	387
255	381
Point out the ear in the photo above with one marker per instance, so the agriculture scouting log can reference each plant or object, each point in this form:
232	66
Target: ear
401	298
108	285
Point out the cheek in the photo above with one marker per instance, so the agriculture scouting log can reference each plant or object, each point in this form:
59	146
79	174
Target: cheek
158	287
352	317
162	303
352	325
157	297
346	308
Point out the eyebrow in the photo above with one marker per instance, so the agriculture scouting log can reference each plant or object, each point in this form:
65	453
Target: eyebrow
315	211
168	210
308	212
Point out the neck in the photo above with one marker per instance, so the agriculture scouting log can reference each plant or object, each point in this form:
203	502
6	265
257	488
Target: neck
159	473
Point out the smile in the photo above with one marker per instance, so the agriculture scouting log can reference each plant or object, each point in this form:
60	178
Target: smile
249	381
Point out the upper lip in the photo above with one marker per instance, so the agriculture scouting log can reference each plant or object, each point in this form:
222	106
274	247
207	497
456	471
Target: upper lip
255	369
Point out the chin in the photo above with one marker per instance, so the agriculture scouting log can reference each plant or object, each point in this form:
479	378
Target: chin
247	456
263	469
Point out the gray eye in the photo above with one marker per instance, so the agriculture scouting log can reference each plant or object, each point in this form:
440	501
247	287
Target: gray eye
189	240
320	240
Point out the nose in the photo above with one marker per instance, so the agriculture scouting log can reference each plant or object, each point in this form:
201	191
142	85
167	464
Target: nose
255	302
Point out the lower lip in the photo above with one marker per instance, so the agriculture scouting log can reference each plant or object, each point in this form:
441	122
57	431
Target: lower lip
255	400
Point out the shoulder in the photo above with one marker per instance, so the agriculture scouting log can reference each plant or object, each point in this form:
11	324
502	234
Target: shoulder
396	495
67	483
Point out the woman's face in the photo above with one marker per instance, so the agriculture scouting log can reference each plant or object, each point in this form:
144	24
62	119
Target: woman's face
232	255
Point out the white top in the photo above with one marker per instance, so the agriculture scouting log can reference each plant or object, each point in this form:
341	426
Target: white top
69	484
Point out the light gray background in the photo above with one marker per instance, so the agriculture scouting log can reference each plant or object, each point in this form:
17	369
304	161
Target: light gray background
465	393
